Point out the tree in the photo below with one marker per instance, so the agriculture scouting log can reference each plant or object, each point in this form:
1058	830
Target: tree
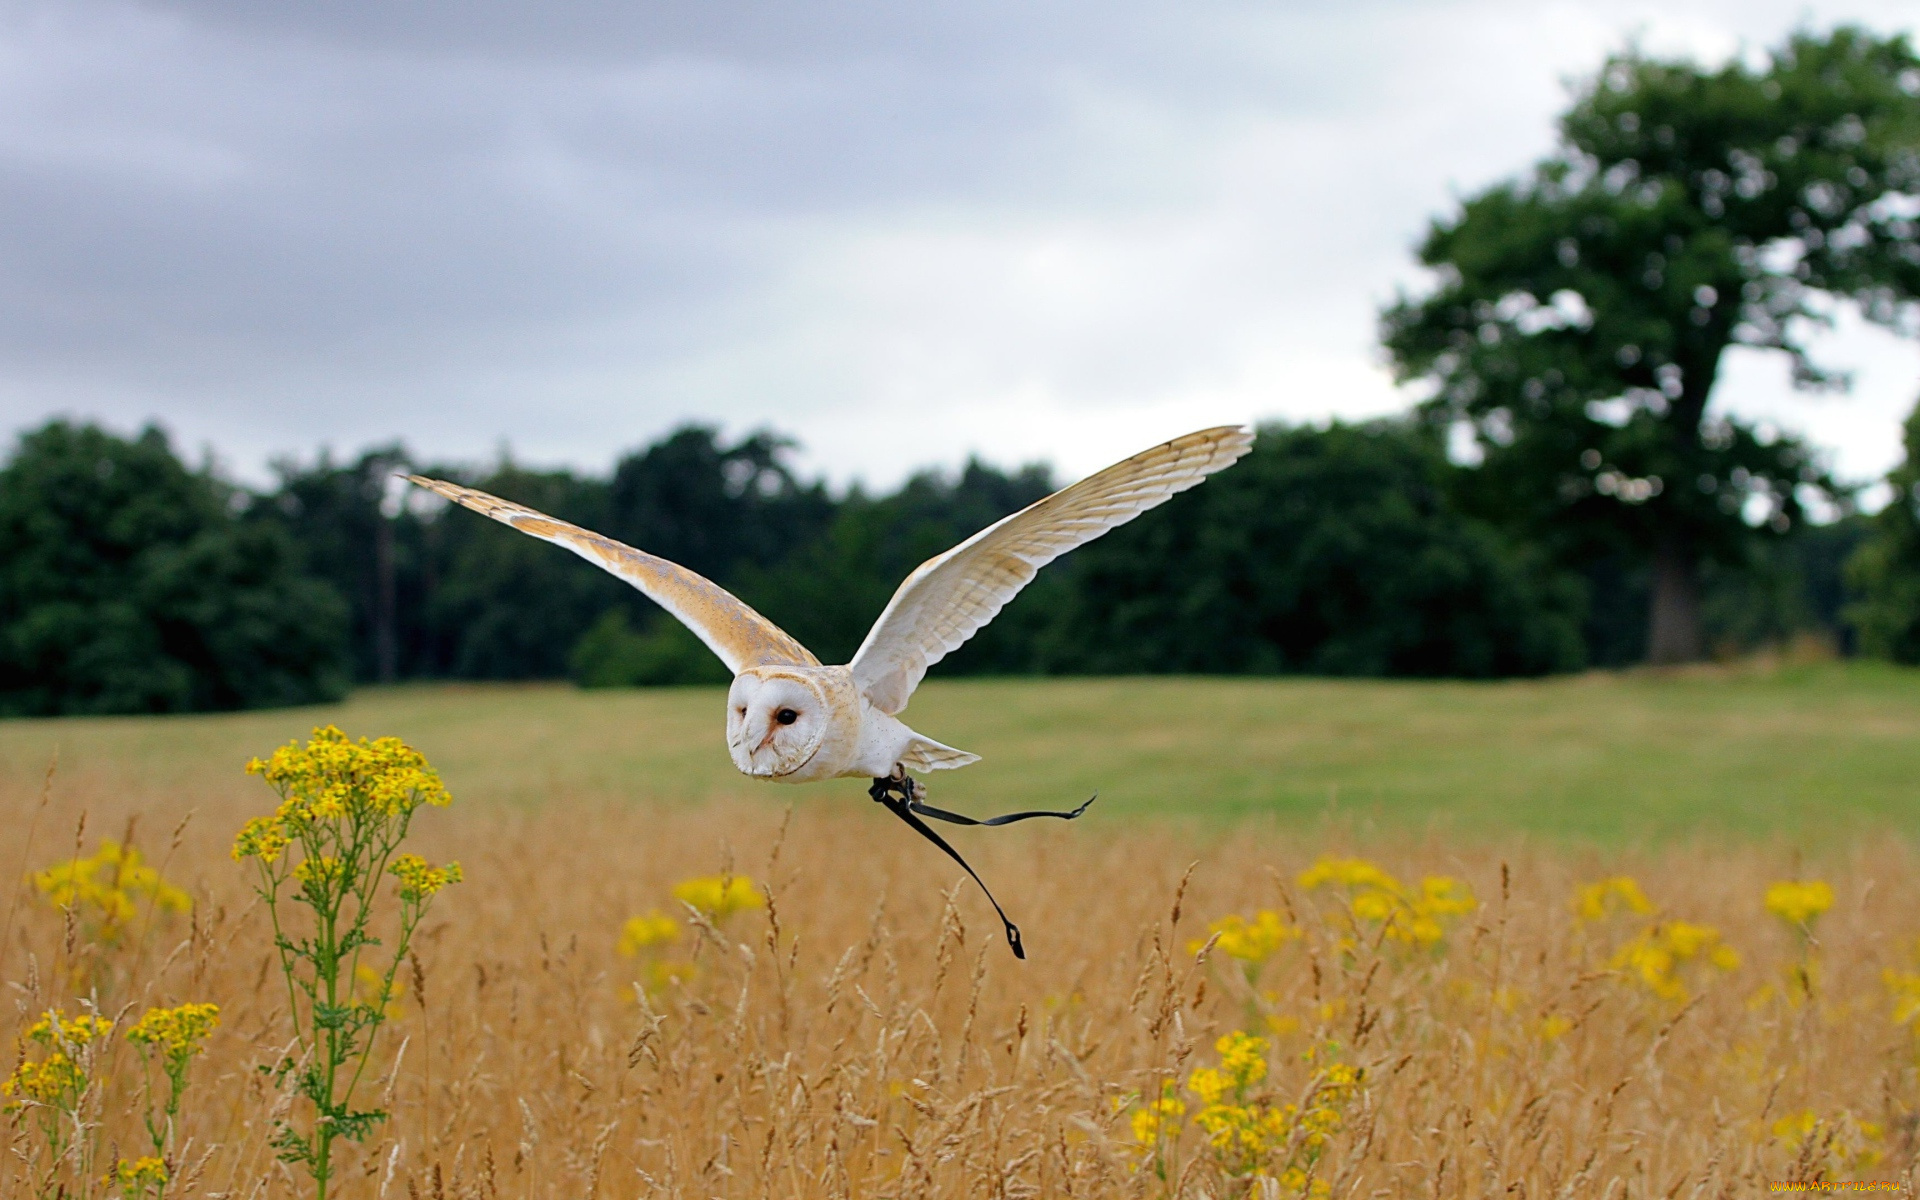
1580	315
1330	552
128	584
507	606
1885	571
338	512
715	508
834	585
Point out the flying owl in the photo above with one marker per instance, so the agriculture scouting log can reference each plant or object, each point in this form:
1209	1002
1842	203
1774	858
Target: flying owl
792	720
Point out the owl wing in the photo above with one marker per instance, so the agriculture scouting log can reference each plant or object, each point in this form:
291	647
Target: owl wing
948	598
740	636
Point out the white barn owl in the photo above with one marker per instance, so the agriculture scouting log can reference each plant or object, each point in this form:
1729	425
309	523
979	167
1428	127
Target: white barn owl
792	720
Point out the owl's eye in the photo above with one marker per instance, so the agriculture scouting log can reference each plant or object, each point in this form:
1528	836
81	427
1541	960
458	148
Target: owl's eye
786	716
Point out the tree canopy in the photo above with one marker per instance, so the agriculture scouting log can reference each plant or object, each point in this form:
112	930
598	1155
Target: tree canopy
1579	315
129	584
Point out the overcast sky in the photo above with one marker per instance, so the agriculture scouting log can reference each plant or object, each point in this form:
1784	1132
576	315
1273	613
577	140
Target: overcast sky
902	233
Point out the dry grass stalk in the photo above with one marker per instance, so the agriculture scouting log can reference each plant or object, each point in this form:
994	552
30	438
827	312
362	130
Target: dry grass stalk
866	1035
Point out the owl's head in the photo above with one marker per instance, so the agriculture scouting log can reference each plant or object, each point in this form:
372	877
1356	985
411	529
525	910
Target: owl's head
776	720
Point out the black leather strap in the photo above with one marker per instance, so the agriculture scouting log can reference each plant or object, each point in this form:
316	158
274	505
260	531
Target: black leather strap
941	814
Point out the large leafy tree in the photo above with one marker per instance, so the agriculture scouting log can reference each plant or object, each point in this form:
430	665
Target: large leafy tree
1330	552
1580	314
1885	571
128	584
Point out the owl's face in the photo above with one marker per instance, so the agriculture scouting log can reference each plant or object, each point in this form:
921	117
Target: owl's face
775	722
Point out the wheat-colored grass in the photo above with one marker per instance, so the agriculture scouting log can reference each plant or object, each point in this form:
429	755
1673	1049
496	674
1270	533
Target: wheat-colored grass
868	1034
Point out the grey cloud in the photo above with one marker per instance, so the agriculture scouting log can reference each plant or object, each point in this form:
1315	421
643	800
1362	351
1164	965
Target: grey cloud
569	225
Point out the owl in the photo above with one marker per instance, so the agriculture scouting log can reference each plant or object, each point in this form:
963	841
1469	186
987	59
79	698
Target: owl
792	720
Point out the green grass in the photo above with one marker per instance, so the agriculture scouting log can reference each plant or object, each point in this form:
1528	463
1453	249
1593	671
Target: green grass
1804	751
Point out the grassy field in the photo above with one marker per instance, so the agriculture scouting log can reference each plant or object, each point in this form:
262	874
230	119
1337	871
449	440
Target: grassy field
1805	751
1441	1020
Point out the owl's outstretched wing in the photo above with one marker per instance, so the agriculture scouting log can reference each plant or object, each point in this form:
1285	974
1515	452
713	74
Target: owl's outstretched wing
948	598
740	636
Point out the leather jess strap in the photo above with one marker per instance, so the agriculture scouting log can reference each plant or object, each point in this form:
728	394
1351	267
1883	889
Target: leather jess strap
899	797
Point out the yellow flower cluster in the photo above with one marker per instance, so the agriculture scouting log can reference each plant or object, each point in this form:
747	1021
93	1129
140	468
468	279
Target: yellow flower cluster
1158	1118
1251	941
1414	917
176	1032
1656	956
1799	902
262	838
333	778
56	1028
142	1173
1905	986
1240	1130
420	879
720	896
1245	1130
319	873
108	888
1820	1140
643	932
1607	897
56	1082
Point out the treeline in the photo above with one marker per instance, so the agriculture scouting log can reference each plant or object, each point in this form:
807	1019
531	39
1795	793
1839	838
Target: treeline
130	582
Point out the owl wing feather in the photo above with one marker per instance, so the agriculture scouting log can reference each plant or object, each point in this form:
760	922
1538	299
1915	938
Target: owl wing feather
949	597
739	635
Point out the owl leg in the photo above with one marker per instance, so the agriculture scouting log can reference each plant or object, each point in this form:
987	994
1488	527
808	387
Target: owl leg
898	793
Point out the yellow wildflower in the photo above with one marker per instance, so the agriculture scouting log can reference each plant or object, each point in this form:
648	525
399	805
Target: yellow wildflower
317	872
108	887
640	933
1252	941
1553	1027
56	1028
1415	918
143	1173
1656	956
420	879
1445	896
1151	1121
262	838
331	778
1600	900
1846	1138
55	1082
1905	986
1347	872
1799	902
369	986
720	896
178	1033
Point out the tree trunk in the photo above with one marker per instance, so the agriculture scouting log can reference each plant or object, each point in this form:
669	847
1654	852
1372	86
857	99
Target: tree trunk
386	638
1673	633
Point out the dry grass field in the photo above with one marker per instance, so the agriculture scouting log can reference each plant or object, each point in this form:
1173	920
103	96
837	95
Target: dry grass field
1442	1019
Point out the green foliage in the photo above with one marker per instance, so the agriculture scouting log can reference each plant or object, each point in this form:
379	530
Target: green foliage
1885	570
1332	552
1579	315
829	592
127	584
667	654
506	606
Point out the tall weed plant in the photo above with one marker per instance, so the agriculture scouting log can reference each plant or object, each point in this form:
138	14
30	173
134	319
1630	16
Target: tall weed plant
345	808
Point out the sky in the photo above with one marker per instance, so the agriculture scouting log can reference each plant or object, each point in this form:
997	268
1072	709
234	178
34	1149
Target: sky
901	234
